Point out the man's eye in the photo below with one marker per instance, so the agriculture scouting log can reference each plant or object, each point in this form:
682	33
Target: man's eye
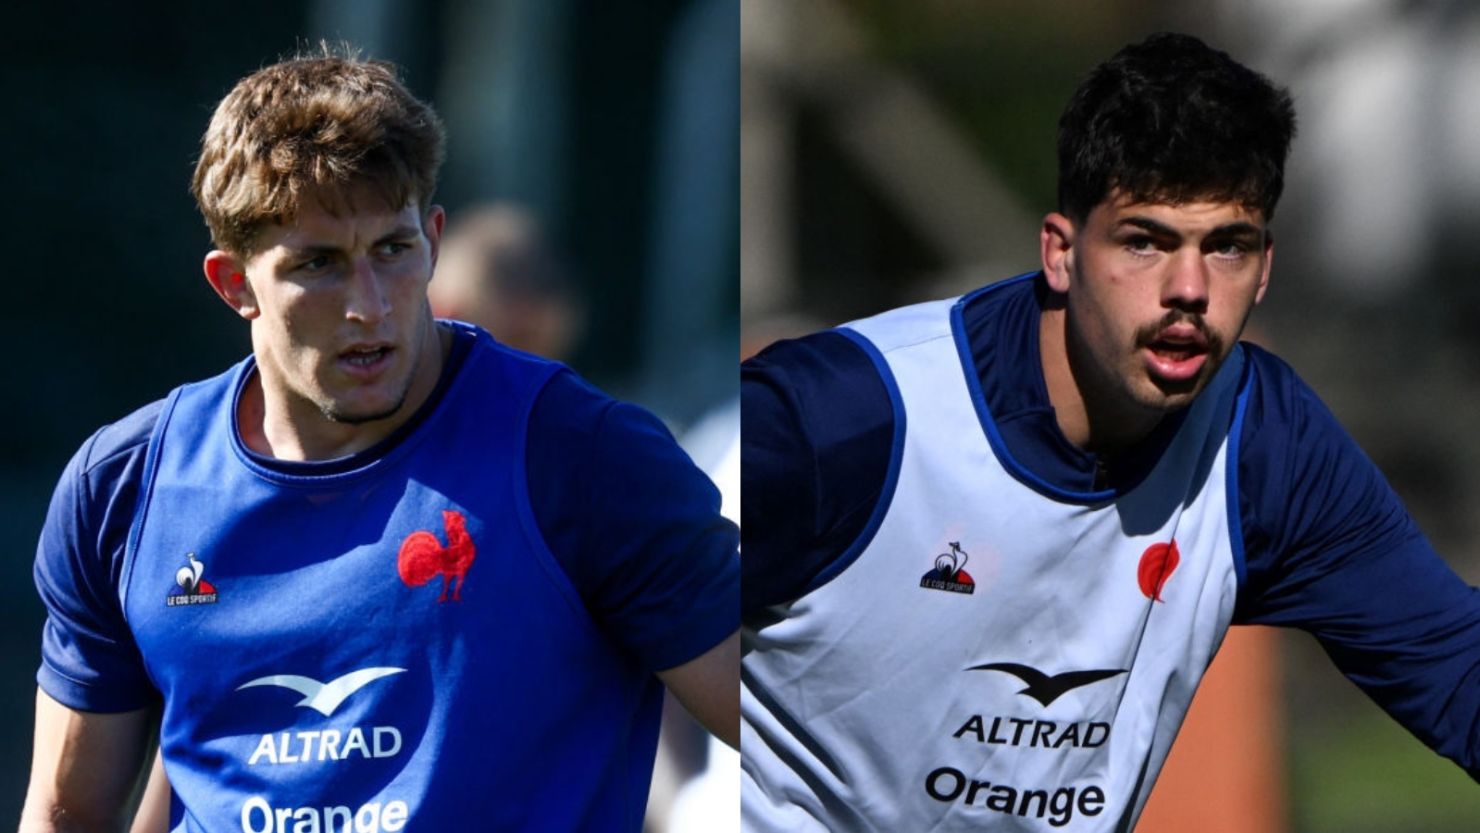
393	249
317	264
1140	245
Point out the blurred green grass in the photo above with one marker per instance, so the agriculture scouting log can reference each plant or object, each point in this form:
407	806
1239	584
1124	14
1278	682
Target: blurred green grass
1370	776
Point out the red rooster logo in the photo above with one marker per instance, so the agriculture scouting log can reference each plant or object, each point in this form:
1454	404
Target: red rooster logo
423	557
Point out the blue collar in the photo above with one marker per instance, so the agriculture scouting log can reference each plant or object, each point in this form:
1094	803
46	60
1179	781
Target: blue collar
996	331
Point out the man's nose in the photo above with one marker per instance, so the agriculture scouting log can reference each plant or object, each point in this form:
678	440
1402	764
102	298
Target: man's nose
1186	284
366	299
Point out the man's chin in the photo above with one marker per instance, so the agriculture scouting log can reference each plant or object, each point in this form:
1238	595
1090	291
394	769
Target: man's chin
346	414
1168	395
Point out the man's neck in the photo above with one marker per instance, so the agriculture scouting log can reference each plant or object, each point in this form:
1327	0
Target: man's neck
1091	419
273	425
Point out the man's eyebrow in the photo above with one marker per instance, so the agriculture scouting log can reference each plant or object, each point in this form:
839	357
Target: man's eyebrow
399	233
1239	228
311	250
1149	225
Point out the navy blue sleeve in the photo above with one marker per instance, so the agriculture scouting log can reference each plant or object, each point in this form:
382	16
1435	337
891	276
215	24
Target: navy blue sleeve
634	524
1330	549
89	661
816	433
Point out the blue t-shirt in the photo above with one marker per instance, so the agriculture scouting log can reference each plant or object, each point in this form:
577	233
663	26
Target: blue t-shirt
575	547
1327	546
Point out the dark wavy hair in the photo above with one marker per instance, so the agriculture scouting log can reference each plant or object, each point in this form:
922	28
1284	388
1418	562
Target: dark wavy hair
1171	119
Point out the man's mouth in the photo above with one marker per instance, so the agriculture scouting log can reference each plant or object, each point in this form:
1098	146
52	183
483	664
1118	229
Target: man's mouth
1175	351
1177	354
366	360
365	357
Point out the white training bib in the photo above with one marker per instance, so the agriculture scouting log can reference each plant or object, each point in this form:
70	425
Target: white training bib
1001	654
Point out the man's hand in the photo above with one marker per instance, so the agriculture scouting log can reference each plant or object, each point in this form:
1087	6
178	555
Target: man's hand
709	687
84	767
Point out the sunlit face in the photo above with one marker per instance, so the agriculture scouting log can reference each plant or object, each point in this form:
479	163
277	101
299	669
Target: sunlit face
1157	295
341	328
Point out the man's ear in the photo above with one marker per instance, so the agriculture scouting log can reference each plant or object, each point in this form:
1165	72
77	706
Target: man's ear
228	276
1268	261
431	226
1056	247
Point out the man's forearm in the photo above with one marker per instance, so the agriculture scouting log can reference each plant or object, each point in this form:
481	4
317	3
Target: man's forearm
84	768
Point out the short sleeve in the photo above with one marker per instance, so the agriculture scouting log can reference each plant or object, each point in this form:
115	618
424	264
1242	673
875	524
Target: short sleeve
89	660
634	524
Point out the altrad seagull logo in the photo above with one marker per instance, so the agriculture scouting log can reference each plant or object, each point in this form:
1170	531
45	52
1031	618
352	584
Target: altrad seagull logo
1042	687
324	698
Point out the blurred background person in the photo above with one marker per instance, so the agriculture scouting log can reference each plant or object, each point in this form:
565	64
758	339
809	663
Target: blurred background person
894	153
496	271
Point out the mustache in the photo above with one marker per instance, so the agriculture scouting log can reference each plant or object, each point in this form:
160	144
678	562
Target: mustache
1147	333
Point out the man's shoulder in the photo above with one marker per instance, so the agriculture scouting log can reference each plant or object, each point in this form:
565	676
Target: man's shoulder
1269	370
130	434
1301	477
1277	397
568	406
576	429
841	357
119	439
829	366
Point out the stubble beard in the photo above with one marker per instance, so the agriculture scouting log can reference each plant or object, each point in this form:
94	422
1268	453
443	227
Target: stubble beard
334	415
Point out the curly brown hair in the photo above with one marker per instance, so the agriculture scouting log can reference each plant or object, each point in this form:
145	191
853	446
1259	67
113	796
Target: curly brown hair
327	124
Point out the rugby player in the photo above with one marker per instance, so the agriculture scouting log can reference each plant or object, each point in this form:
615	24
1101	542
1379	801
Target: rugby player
993	542
384	572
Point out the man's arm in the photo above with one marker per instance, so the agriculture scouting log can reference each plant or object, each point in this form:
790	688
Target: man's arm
84	767
153	815
636	527
1329	548
709	687
817	430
